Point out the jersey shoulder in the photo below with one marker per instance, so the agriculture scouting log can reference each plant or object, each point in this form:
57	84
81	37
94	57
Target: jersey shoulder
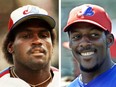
4	72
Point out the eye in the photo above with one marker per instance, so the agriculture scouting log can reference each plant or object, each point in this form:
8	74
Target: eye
26	35
77	37
94	36
44	35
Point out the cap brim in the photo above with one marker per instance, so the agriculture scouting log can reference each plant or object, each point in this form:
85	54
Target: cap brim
66	28
46	18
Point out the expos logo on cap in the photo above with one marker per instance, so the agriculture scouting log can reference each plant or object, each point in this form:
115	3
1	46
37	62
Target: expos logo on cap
34	10
86	11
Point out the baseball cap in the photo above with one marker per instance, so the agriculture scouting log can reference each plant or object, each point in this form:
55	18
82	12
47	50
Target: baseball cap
89	13
29	12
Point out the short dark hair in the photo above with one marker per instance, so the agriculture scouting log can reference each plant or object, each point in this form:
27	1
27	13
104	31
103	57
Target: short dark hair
10	37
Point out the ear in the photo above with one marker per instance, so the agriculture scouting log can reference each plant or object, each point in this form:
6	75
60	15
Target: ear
110	39
10	48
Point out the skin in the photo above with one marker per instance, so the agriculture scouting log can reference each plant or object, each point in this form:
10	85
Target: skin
90	47
32	51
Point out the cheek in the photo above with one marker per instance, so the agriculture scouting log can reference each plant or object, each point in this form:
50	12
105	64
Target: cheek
102	51
48	44
49	47
102	45
21	47
73	46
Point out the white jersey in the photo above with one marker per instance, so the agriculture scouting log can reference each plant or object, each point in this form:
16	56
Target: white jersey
7	81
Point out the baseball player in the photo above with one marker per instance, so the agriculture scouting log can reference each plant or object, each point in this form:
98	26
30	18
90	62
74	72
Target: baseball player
89	30
29	46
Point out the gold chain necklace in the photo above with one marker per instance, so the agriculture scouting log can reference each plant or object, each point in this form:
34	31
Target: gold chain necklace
15	75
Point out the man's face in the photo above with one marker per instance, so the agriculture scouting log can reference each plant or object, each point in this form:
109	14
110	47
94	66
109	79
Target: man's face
32	46
88	44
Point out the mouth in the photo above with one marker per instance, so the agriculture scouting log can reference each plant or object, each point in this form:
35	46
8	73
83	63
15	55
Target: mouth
87	53
38	52
87	56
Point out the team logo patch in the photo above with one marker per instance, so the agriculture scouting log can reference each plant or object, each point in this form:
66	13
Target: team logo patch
86	11
25	12
30	10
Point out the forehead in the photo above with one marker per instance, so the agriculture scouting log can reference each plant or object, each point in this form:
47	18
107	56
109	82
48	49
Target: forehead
83	26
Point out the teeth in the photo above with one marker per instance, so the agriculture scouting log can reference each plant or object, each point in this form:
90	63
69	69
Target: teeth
87	53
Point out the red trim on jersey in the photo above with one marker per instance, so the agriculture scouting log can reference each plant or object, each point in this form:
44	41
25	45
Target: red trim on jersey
4	72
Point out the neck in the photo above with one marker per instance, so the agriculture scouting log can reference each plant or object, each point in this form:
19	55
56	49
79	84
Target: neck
33	76
88	76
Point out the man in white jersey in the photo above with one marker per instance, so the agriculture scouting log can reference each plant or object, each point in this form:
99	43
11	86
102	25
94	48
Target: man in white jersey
29	46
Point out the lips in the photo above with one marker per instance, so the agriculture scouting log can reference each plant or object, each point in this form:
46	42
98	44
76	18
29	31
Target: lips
38	51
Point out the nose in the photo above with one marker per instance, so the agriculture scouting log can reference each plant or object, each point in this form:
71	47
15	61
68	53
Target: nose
85	42
36	40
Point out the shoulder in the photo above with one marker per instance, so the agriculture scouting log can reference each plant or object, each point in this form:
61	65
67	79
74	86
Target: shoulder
12	82
75	83
112	73
5	72
54	72
56	75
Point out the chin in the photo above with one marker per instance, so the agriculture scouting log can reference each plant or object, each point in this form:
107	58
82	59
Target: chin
92	69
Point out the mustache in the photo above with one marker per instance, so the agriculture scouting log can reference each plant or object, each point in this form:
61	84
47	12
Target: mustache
41	49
